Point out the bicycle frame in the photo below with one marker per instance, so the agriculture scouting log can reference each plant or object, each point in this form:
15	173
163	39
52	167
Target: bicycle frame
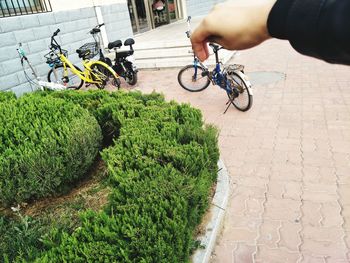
216	76
86	74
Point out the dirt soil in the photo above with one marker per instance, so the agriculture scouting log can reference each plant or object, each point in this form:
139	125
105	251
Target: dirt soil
89	193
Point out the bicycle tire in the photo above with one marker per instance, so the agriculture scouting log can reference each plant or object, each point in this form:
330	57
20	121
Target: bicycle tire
107	76
244	101
132	78
203	81
130	74
73	81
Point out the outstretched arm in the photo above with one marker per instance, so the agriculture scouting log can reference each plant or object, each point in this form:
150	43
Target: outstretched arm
318	28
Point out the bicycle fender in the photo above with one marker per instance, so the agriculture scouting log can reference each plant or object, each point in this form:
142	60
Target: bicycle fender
246	80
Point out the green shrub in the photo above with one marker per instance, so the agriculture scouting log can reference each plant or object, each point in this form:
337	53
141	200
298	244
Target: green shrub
6	96
46	144
110	109
19	238
161	169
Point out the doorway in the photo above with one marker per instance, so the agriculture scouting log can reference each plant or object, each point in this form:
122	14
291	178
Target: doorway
139	15
149	14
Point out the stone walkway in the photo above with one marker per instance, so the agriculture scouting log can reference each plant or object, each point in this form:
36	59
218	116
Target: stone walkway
288	157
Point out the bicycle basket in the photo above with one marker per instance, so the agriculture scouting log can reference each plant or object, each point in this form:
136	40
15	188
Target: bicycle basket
92	47
234	67
53	57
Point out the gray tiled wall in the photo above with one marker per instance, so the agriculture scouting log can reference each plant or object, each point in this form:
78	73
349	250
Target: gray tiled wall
117	20
34	32
200	7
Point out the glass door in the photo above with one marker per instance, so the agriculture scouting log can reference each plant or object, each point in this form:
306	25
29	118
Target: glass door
163	12
140	20
149	14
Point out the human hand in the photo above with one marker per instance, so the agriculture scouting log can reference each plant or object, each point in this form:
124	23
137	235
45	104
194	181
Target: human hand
235	25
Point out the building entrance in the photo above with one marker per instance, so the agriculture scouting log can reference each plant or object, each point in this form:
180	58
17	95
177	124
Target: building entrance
149	14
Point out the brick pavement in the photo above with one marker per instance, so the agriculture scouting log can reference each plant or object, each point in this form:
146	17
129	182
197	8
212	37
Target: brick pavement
288	158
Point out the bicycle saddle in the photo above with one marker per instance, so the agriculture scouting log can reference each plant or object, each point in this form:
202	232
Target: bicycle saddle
124	54
115	44
129	42
214	46
83	53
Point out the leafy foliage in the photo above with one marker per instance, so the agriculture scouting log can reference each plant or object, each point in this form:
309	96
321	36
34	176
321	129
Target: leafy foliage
6	96
161	167
45	144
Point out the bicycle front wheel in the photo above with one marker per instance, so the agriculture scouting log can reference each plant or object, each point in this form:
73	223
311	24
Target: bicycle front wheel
65	77
104	76
244	101
192	79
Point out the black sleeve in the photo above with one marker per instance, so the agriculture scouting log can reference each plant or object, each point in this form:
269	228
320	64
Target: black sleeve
317	28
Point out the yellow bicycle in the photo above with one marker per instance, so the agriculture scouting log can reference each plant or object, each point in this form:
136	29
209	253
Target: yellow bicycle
65	73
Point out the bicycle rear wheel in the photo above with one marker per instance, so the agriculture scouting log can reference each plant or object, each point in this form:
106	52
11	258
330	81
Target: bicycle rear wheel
104	75
192	79
71	80
244	101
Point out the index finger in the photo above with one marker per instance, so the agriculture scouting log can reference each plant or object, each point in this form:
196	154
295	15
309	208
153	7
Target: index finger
199	42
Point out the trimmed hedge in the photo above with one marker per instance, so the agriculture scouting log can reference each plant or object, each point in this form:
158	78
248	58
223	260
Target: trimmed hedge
45	144
6	96
161	169
110	109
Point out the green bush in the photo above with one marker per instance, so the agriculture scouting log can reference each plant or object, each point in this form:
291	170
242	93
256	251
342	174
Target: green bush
161	169
110	109
45	144
20	238
6	96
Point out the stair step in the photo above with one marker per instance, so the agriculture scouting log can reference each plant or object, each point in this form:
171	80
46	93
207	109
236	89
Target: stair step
164	53
171	62
162	45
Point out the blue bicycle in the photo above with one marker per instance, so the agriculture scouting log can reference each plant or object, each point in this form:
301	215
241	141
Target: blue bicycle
231	78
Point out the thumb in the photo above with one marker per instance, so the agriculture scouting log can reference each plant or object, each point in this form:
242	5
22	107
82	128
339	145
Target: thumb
199	43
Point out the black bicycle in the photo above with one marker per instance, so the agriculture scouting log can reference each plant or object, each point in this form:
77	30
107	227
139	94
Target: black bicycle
122	64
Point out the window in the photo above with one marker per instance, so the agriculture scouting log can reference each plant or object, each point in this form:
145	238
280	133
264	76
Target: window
23	7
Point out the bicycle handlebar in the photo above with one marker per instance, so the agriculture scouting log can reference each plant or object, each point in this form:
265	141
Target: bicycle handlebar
96	29
54	44
56	32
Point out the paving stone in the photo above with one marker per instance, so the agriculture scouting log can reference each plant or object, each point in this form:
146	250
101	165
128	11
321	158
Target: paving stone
290	235
266	254
244	253
282	209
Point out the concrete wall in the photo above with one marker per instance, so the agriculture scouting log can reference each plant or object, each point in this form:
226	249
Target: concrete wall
117	20
34	32
59	5
200	7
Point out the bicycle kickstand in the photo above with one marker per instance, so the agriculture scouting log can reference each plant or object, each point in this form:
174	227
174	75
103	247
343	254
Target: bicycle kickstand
229	104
